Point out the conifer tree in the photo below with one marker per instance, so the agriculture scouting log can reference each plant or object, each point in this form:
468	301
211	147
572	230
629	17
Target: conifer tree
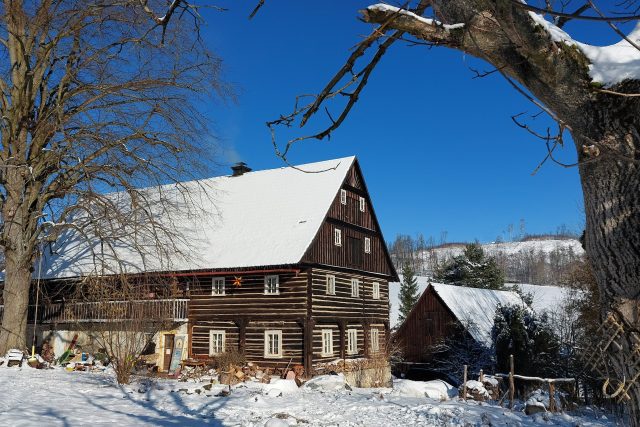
408	291
472	269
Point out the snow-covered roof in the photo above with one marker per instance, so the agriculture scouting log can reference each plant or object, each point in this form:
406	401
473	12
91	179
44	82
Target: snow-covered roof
475	308
261	218
546	299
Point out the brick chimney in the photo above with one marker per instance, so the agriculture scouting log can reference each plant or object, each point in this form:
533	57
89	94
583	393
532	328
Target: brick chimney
240	168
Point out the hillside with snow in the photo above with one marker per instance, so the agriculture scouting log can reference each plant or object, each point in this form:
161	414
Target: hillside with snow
540	261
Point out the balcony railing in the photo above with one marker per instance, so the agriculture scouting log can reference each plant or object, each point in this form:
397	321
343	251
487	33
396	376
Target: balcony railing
111	311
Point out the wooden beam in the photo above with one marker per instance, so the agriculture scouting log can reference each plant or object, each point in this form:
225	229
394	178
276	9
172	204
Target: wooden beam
342	326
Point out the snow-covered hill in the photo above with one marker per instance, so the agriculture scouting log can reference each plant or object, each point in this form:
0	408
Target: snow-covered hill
537	261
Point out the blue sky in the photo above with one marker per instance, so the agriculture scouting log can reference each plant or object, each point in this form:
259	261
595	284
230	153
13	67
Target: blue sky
438	148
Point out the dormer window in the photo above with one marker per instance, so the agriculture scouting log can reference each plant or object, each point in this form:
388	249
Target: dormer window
343	197
337	237
272	285
367	245
362	204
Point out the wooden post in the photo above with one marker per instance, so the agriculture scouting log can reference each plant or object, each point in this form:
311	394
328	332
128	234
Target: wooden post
481	377
552	399
342	326
512	388
464	383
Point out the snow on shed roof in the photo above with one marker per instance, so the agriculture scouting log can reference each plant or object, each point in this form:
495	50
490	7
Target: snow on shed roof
475	308
546	298
260	218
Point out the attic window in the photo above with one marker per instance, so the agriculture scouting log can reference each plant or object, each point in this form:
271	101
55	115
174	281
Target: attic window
367	245
337	239
343	197
362	204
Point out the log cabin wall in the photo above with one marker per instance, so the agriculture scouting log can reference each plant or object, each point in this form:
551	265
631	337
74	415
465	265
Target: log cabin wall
244	313
341	311
429	322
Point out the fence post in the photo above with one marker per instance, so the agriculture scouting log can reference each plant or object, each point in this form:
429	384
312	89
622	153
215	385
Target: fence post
481	377
511	383
552	399
464	383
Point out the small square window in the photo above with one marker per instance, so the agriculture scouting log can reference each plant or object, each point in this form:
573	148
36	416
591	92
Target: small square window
367	245
376	290
216	342
331	284
327	342
375	340
272	285
362	204
355	288
337	237
273	344
343	197
352	341
217	286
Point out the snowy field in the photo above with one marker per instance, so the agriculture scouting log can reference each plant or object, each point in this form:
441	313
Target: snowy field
59	398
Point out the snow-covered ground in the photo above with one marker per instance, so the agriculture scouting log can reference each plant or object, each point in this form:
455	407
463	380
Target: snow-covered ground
58	398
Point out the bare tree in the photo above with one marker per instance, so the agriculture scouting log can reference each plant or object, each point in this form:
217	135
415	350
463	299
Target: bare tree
95	96
540	61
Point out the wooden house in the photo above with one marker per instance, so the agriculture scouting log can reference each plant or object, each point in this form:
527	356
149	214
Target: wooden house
445	310
287	265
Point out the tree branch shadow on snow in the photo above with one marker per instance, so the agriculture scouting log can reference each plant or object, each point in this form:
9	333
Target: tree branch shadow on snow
160	417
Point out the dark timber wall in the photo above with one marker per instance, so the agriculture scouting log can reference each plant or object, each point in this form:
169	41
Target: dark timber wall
429	322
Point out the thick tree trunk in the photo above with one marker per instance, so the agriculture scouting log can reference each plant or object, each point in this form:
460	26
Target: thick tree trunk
611	188
16	301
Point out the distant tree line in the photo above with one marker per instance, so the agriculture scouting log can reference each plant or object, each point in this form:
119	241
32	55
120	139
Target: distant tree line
526	265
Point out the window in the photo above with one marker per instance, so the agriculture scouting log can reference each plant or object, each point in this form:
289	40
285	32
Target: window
362	203
367	245
327	342
273	344
217	286
331	284
338	237
343	197
375	340
376	290
271	285
216	342
352	341
355	288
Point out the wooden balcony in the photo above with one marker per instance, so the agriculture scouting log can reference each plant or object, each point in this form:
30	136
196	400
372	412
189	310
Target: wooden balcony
111	311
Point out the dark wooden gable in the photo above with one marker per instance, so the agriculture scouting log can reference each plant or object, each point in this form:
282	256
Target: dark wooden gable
356	226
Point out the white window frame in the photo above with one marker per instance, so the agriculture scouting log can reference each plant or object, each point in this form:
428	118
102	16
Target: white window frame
337	237
331	284
362	203
355	288
217	281
367	245
213	332
375	340
375	290
343	197
267	291
267	344
352	341
327	343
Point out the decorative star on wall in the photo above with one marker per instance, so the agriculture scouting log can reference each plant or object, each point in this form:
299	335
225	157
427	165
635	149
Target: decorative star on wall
237	282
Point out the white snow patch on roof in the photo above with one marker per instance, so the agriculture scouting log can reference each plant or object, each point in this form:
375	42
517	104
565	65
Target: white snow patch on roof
475	308
546	299
609	64
260	218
